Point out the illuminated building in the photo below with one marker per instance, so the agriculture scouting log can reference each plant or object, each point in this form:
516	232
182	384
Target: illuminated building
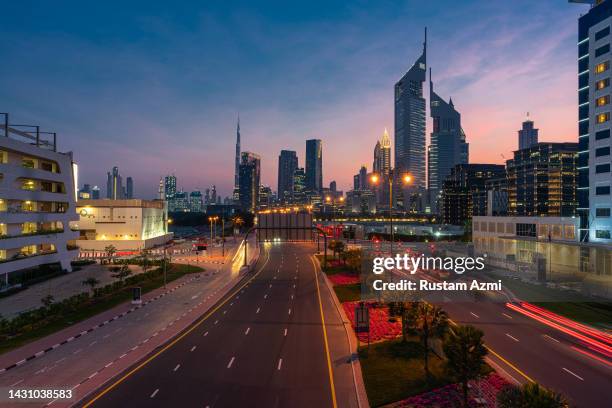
125	224
38	190
542	180
447	144
236	193
250	170
195	202
528	135
299	186
287	163
114	186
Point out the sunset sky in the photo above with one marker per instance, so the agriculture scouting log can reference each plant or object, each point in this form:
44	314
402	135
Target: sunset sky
155	87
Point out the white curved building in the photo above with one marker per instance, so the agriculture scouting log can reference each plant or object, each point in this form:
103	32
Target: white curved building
37	202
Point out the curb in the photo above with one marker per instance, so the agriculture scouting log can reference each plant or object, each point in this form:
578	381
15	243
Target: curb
362	396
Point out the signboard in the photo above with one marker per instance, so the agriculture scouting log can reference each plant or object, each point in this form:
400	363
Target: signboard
362	318
136	296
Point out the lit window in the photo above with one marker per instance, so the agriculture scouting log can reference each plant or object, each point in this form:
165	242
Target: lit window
601	67
601	84
603	117
603	100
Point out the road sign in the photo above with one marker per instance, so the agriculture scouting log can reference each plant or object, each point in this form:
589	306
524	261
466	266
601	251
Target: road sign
362	318
136	296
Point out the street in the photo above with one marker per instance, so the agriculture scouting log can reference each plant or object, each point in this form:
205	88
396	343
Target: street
263	345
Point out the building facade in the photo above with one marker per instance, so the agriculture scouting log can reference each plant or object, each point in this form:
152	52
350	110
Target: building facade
594	111
299	186
528	135
250	171
287	164
37	202
126	224
542	180
314	165
169	187
195	202
129	188
447	146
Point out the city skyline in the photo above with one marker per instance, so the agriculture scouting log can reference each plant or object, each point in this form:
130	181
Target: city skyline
154	134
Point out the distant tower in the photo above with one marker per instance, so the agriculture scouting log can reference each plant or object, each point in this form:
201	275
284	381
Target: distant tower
314	165
528	135
160	190
129	187
114	188
382	155
237	161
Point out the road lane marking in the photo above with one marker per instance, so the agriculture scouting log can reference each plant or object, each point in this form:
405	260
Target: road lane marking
475	315
574	374
508	316
258	309
552	338
289	310
229	365
247	331
291	297
176	340
216	321
513	338
177	367
329	365
266	296
193	348
280	363
18	382
92	343
285	332
78	351
154	393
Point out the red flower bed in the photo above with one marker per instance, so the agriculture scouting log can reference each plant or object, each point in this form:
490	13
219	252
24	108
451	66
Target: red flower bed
344	279
449	396
380	326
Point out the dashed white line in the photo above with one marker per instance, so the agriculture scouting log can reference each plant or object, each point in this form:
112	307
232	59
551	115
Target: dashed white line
154	393
475	315
18	382
552	338
285	332
574	374
216	321
247	331
229	365
205	334
92	343
508	316
289	310
512	337
78	351
291	297
266	296
106	336
258	309
280	363
177	367
193	348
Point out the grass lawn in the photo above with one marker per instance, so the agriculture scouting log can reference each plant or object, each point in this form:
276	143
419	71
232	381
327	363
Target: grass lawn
94	306
393	371
581	308
348	293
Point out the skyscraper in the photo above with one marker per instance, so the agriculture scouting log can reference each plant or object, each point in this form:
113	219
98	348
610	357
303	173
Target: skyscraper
129	188
114	188
249	182
447	146
237	162
314	165
299	185
528	135
169	187
595	143
195	201
287	163
410	121
213	195
382	155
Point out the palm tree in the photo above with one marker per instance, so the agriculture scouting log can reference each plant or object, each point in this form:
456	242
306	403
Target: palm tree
237	222
110	252
431	322
465	353
530	395
91	282
122	273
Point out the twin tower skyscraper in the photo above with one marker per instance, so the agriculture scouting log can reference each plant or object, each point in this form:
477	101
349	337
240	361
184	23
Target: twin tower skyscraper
428	167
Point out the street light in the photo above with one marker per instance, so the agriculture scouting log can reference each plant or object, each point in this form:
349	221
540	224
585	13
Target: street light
212	220
376	179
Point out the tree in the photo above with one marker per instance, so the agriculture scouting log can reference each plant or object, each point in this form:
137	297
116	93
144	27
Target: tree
145	260
237	222
465	353
430	322
122	273
110	252
47	300
530	395
91	282
353	259
336	247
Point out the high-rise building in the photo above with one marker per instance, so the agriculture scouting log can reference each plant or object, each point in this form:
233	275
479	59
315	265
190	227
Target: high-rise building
265	196
195	201
129	188
249	182
464	191
447	146
299	185
213	195
332	186
237	162
95	193
542	180
314	165
114	187
207	196
169	187
287	163
594	125
363	178
180	202
382	155
528	135
410	122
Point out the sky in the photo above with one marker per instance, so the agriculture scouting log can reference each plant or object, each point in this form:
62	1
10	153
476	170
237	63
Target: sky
156	87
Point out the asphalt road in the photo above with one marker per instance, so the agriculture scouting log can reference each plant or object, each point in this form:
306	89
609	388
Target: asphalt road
264	345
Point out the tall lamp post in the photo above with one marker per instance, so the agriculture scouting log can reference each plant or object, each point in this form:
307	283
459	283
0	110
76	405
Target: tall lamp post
377	179
212	220
333	201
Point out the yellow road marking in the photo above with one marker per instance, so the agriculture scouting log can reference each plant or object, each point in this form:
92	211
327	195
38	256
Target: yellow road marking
147	361
515	368
329	366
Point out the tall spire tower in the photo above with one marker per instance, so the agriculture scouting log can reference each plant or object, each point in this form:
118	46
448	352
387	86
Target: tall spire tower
237	158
